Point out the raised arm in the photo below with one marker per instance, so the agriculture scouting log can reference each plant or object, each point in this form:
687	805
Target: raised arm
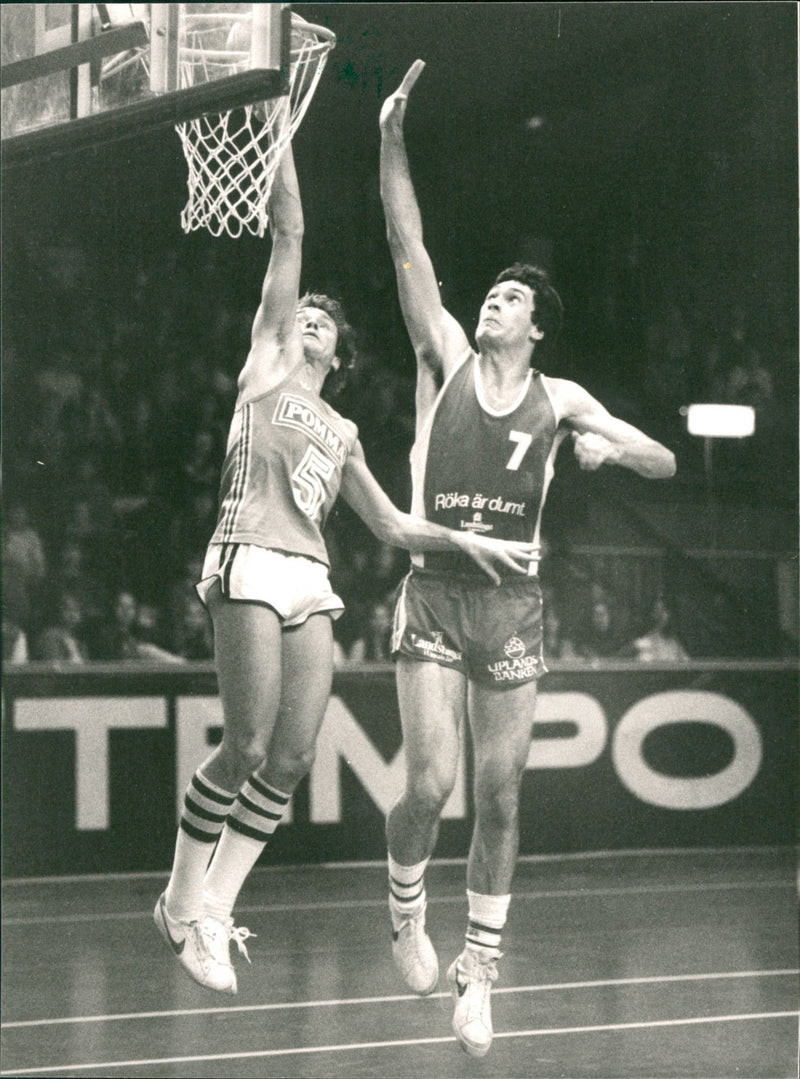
281	289
600	438
274	322
437	339
363	493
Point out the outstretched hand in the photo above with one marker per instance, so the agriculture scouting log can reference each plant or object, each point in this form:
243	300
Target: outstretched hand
394	107
493	555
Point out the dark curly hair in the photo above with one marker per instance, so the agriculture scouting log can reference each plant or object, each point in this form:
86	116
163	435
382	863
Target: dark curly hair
548	310
345	341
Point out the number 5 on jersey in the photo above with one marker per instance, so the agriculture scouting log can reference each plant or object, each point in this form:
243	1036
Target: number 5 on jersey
308	482
523	441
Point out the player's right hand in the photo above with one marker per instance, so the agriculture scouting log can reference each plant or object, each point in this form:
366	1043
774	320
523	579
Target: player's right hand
494	556
593	450
394	107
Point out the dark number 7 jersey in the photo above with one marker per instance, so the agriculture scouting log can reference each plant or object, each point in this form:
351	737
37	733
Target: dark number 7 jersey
474	468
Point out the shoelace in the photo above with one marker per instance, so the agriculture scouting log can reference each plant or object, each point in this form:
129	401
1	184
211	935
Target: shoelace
412	921
210	931
489	972
239	935
483	971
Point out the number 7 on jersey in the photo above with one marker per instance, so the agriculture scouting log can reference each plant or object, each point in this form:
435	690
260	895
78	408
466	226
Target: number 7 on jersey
523	441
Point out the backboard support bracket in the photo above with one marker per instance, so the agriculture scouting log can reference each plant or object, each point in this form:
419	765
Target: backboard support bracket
120	39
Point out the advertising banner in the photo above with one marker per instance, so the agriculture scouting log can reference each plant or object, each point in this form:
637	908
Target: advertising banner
622	756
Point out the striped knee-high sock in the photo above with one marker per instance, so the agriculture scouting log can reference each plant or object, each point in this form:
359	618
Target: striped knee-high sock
487	917
254	817
406	890
205	809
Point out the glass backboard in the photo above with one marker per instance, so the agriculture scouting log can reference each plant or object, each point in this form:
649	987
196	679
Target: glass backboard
81	74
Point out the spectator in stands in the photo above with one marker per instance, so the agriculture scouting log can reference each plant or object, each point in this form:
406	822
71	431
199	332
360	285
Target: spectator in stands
660	642
113	636
15	642
71	574
603	637
23	556
61	640
118	637
181	594
149	628
197	635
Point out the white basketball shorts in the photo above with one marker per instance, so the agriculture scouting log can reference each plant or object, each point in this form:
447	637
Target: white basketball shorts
293	586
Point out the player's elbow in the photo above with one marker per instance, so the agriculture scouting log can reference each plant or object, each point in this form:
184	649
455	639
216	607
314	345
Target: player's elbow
403	234
388	528
663	466
289	230
398	243
669	465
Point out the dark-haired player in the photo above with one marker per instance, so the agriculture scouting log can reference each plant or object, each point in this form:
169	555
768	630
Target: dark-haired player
489	425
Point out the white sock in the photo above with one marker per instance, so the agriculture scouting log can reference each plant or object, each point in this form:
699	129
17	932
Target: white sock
205	809
487	917
253	819
406	889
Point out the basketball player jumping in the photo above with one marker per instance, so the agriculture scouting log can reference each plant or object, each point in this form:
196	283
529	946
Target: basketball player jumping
265	583
488	427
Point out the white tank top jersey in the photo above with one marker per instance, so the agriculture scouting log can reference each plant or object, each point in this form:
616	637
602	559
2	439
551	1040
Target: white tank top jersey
478	469
282	470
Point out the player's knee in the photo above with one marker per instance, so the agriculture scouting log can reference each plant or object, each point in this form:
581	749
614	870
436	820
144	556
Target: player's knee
497	798
243	752
286	769
429	789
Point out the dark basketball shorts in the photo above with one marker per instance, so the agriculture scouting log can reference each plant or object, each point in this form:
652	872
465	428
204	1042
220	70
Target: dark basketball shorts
491	633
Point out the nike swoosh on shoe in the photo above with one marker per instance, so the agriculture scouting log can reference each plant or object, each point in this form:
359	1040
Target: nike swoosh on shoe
177	946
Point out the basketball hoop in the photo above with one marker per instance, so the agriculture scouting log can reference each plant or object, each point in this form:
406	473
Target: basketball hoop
232	156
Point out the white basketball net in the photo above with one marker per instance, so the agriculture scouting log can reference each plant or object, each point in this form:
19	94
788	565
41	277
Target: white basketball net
233	156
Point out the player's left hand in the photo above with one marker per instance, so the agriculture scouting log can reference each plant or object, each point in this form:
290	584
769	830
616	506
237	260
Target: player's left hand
394	107
494	555
593	450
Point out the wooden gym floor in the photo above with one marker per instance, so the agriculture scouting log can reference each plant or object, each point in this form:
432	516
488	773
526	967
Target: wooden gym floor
617	965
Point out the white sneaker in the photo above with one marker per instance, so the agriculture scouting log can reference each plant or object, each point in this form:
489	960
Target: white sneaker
202	947
470	977
414	955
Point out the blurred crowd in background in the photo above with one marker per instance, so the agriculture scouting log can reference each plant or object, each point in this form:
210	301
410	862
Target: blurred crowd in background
117	399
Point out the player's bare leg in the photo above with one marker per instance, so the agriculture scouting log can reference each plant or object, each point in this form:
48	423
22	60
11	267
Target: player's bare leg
245	633
432	700
500	722
306	665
